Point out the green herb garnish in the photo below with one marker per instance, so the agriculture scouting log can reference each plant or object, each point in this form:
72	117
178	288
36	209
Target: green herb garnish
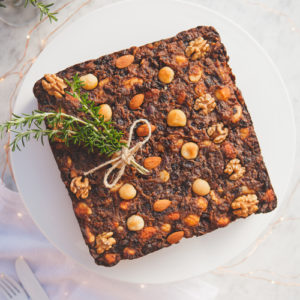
90	131
44	9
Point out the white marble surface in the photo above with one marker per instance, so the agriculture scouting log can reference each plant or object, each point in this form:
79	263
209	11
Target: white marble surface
275	24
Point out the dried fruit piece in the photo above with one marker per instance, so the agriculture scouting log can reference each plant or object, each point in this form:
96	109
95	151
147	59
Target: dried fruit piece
176	118
89	81
181	60
245	205
104	241
147	232
191	220
124	205
131	82
223	93
235	168
129	252
174	216
244	132
135	223
206	103
110	258
124	61
90	237
197	48
54	85
195	73
175	237
166	227
237	113
136	101
161	205
202	203
218	133
152	162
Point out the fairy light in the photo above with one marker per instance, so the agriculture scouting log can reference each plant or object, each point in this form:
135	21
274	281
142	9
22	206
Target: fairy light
24	66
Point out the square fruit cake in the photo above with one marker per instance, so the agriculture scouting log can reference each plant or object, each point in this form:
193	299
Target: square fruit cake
205	163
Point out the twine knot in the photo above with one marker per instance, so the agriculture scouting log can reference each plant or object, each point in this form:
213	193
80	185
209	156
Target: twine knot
124	157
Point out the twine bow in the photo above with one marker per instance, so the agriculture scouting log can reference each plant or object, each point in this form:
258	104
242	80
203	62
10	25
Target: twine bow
124	157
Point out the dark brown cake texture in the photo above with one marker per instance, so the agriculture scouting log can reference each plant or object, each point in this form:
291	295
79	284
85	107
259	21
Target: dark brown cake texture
204	157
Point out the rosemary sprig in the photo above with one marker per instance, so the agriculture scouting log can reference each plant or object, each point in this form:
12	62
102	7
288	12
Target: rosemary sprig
91	132
44	9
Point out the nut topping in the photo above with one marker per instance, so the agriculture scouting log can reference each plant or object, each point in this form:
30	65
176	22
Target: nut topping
82	209
161	205
201	187
152	162
235	168
218	133
223	93
165	227
124	61
89	81
131	82
237	109
195	73
164	176
90	237
202	203
104	241
54	85
197	48
245	205
176	117
144	131
191	220
127	191
136	101
189	150
175	237
181	60
206	103
105	111
166	75
135	223
80	188
147	232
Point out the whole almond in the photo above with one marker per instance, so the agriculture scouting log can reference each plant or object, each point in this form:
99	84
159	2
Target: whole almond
136	101
124	61
175	237
161	205
143	130
152	162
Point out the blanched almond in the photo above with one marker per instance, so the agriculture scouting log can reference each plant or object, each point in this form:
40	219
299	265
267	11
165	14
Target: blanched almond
175	237
161	205
124	61
136	101
143	130
152	162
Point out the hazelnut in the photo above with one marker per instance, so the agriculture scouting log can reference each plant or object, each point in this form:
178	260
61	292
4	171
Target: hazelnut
201	187
189	150
176	117
164	176
124	61
135	223
202	203
161	205
165	227
89	81
105	111
191	220
223	93
166	74
127	191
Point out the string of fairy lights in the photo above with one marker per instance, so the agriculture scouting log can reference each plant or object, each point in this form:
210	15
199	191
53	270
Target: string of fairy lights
23	65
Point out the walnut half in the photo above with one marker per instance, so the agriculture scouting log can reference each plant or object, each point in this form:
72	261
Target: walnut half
245	205
197	48
79	187
235	169
104	241
206	103
54	85
218	133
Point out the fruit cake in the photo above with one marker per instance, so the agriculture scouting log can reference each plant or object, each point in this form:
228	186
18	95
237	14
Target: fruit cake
205	163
